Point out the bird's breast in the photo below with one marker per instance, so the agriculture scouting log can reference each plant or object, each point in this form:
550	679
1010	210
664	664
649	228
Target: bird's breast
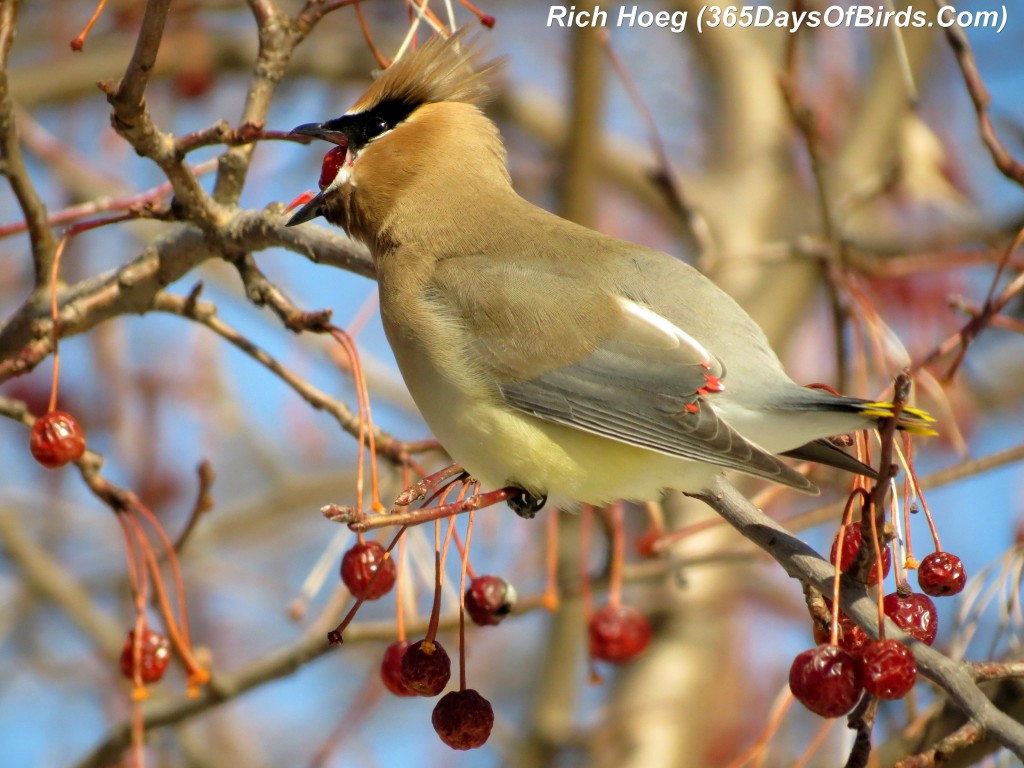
500	446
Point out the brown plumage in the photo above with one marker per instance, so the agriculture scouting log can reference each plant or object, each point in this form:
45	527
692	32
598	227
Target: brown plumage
542	354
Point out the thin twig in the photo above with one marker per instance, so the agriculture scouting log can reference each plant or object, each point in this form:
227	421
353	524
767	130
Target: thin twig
1007	164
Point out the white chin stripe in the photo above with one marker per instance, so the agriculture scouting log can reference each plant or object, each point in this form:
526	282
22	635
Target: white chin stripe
343	175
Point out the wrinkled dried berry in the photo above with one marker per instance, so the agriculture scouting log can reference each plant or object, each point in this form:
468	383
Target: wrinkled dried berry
941	574
826	680
914	614
426	668
367	572
391	668
463	719
888	669
489	599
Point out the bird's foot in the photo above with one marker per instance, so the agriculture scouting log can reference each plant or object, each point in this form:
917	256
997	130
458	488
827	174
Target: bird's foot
525	504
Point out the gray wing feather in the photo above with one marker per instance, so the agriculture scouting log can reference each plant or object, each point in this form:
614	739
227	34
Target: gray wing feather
619	367
612	395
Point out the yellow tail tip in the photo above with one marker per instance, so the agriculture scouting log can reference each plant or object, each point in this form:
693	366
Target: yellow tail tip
916	421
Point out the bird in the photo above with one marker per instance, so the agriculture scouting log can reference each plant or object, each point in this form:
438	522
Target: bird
546	357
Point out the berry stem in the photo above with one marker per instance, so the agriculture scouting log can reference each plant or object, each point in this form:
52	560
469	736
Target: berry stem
586	515
857	493
618	555
551	598
197	674
879	569
400	591
139	691
478	13
382	60
464	550
886	469
138	735
440	555
909	499
172	559
780	706
462	603
366	435
54	272
131	555
79	42
924	504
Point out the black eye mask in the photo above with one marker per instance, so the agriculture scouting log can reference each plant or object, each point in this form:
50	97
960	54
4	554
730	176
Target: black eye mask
366	126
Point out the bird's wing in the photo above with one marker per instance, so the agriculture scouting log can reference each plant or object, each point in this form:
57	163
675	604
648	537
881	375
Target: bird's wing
597	362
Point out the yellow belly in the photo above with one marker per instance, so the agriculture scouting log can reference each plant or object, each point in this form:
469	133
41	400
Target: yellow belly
500	447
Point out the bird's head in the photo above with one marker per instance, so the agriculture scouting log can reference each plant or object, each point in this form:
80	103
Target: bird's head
402	133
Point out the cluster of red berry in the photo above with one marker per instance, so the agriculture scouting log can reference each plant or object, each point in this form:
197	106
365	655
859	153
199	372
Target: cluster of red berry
58	439
830	679
463	718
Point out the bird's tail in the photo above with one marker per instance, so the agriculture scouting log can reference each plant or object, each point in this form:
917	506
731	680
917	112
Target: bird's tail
913	420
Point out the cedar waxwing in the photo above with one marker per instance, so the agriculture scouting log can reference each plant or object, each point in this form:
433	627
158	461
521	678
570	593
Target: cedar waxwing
545	356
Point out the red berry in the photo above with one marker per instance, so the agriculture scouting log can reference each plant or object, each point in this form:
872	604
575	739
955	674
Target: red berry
333	160
391	668
826	680
56	439
463	719
851	546
941	574
361	564
888	669
914	614
426	668
489	599
850	637
618	634
154	656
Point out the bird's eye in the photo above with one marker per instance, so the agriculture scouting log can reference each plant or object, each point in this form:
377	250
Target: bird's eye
374	127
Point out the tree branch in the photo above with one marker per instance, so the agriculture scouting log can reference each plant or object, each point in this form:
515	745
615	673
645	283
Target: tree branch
12	164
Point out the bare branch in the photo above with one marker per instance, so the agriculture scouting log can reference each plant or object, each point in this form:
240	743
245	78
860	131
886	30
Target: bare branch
276	45
24	338
1007	164
12	164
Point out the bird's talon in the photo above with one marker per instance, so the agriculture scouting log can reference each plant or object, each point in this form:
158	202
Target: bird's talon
525	504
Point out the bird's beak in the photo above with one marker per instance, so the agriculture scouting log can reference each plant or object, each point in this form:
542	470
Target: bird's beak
319	131
308	212
315	207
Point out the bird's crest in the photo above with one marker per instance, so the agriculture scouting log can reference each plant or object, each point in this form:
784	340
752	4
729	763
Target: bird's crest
440	70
